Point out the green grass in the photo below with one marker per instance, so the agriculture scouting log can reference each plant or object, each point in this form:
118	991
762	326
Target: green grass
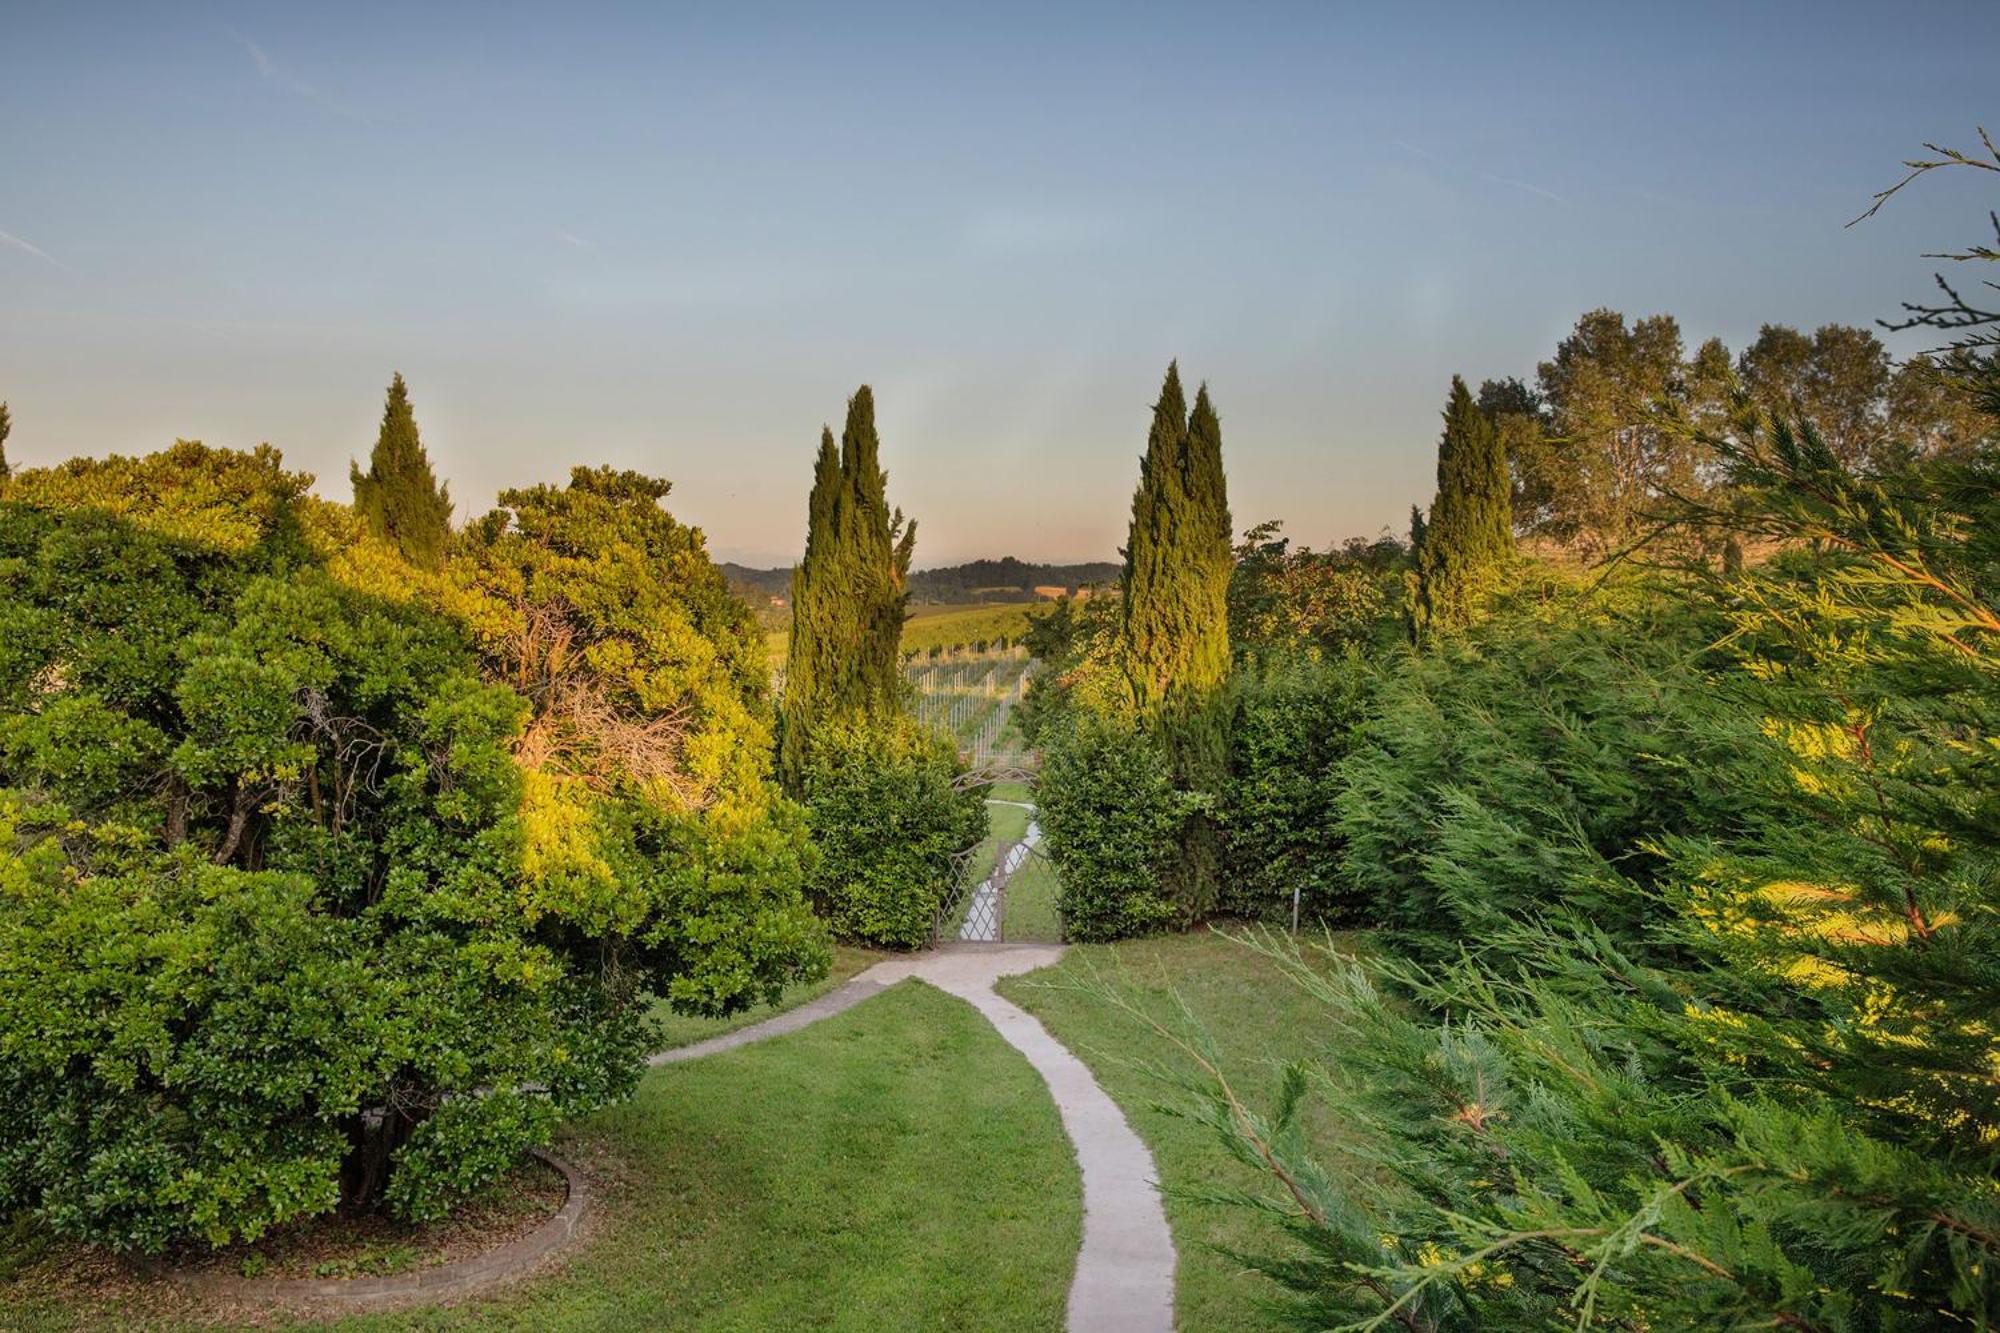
896	1166
1029	909
1258	1020
686	1030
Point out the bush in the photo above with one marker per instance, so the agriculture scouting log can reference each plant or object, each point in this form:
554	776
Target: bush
1113	819
1531	764
1739	1073
322	883
887	822
1292	728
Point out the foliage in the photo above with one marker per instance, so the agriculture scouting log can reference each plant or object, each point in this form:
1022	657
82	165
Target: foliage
1287	601
1114	820
1175	628
1469	534
1173	643
319	887
961	628
399	497
1734	1068
887	821
6	426
1528	765
847	594
1289	738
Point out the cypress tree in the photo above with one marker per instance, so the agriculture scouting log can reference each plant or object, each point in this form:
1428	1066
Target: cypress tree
399	497
1175	583
1175	616
848	592
1470	535
6	425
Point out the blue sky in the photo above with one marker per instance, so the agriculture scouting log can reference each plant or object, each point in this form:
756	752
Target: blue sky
674	238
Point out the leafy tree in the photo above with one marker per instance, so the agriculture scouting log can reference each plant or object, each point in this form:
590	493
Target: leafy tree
333	881
1931	412
6	425
1838	378
1614	458
399	497
1469	537
848	592
1286	601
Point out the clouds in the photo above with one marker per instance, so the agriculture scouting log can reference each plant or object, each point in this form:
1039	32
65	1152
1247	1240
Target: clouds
278	76
9	239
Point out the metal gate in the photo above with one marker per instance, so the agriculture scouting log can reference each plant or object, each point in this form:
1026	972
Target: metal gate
1001	892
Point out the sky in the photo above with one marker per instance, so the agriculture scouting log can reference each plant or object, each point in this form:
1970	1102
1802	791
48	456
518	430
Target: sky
674	238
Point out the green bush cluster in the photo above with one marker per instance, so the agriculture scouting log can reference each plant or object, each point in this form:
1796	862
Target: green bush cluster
331	880
887	821
1113	817
1705	889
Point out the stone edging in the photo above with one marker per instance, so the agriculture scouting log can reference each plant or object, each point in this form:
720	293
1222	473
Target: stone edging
449	1279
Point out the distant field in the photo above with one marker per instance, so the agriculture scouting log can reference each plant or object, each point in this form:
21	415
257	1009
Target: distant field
942	627
947	627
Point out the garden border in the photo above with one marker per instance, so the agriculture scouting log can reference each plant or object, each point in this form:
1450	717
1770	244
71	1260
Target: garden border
472	1273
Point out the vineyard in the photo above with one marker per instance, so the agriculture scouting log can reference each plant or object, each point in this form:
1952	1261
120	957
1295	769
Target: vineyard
971	695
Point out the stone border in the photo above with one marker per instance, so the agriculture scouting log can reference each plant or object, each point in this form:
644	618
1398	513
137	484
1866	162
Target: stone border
449	1279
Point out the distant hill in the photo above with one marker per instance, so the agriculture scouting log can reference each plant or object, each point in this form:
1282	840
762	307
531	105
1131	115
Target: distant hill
1002	580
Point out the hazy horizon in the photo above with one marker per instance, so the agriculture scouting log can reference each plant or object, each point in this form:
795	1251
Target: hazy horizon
677	242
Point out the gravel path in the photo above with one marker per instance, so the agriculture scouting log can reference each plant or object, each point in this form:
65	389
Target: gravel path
1125	1271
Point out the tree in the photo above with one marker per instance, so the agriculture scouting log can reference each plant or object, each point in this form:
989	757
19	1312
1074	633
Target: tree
1613	458
1469	537
6	425
399	497
328	881
1174	639
1838	379
1931	412
848	593
1175	582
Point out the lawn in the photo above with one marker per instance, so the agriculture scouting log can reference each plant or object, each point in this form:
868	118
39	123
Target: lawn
1257	1020
685	1030
896	1166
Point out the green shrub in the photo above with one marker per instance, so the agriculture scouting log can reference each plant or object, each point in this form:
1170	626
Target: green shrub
1292	726
1113	819
887	822
326	880
1533	763
1757	1092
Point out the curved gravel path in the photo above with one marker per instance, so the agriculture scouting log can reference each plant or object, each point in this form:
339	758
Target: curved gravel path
1125	1271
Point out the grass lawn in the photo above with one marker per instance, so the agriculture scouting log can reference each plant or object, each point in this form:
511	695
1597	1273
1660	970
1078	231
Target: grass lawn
684	1030
896	1166
1257	1019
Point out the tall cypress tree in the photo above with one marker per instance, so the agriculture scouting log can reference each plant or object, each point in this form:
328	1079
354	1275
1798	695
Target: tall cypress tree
399	496
848	592
1175	615
1175	582
6	425
1470	535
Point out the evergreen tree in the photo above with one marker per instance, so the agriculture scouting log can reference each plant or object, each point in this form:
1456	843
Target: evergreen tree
6	425
1470	535
848	592
399	496
1175	617
1177	558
